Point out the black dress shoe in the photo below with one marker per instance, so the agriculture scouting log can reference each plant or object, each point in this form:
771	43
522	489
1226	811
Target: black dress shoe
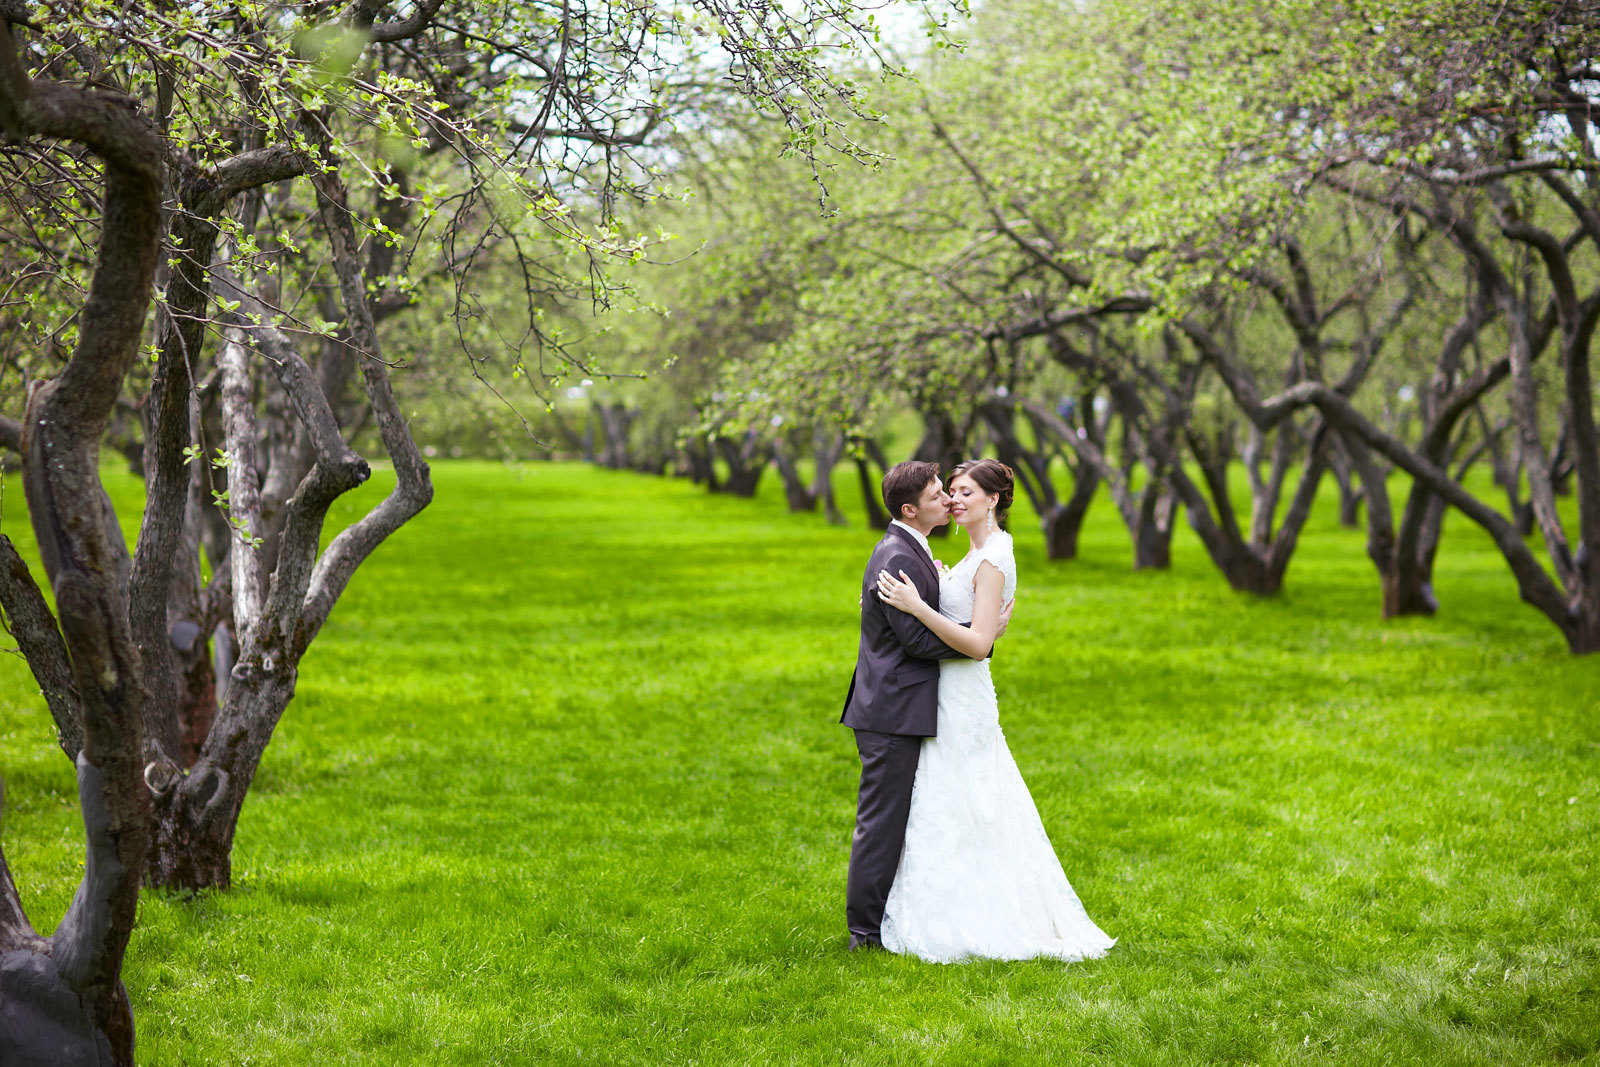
867	944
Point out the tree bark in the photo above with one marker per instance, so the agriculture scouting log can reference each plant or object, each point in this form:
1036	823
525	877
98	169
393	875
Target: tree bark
798	494
1533	582
1148	514
204	193
1064	522
1573	602
747	460
1152	534
1343	472
827	448
276	617
72	979
615	422
871	495
1060	520
702	468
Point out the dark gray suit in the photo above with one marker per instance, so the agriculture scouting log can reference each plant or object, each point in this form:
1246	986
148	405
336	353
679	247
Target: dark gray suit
892	705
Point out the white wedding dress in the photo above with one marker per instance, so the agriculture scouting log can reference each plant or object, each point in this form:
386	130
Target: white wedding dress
978	877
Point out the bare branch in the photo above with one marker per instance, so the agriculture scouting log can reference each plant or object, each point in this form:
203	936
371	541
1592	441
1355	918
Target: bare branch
1053	321
1586	214
241	173
413	489
1480	175
34	627
1071	273
386	32
1534	583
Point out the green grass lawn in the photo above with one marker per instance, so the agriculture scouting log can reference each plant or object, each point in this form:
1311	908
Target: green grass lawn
564	783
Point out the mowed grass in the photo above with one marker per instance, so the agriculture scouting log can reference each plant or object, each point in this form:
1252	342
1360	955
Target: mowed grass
564	783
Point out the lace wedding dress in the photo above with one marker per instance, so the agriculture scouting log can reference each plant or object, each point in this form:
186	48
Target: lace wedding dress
978	877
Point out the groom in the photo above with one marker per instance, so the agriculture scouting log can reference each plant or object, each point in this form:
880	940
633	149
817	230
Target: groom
893	701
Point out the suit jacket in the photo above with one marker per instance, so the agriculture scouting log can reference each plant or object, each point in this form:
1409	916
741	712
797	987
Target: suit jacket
895	687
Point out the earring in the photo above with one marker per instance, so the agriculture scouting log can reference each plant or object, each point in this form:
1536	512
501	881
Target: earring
991	520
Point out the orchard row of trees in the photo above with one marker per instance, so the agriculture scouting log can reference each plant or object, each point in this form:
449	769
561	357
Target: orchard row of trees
1138	246
216	220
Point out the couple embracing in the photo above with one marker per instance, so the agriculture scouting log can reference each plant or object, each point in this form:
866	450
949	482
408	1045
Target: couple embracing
949	860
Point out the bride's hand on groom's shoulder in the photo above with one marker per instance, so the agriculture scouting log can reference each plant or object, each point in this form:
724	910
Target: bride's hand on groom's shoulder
899	593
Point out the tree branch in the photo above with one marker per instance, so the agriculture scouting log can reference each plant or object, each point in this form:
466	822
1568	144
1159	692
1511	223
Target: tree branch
1073	275
33	625
1533	582
1127	304
244	489
204	194
413	488
387	32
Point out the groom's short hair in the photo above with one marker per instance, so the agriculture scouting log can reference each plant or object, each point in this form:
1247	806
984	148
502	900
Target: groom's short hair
903	484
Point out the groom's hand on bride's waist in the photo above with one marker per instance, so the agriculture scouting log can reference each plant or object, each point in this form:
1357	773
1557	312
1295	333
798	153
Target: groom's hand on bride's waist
1005	618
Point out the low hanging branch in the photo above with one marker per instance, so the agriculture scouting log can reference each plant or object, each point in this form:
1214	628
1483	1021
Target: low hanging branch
1572	602
1533	582
31	623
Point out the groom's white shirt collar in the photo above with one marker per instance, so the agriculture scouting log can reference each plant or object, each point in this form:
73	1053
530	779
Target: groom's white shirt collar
917	535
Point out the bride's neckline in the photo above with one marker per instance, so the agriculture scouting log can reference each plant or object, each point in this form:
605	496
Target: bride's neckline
976	550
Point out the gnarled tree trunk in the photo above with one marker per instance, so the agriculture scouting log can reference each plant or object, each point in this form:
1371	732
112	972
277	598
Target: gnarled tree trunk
746	460
63	997
1061	520
616	422
827	448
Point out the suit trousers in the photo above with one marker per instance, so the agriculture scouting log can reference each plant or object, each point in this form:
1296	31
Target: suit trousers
888	770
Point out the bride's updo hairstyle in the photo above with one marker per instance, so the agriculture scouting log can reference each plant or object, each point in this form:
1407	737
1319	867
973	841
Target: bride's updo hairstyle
992	476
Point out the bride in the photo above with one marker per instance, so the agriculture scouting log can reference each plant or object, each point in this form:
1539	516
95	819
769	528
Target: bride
977	876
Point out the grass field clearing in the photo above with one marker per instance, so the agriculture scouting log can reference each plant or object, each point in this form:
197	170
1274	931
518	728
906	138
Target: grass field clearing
563	783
